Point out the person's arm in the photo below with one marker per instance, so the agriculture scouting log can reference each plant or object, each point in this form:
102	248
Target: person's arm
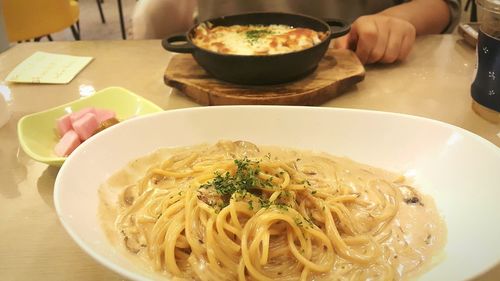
388	36
427	16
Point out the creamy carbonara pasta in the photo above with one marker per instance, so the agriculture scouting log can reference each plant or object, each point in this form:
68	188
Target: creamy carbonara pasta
235	211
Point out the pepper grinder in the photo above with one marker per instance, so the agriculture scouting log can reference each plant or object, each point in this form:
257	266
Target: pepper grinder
485	89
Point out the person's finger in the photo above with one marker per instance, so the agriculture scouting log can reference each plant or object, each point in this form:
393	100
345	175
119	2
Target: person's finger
366	32
352	41
406	45
393	46
341	42
378	51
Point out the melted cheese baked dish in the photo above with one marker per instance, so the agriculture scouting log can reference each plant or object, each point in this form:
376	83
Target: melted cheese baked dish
255	39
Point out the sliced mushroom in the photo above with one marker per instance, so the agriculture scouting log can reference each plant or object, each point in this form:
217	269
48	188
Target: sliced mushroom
410	195
129	195
132	245
246	147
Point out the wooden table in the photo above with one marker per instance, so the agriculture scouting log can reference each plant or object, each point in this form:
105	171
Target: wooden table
434	82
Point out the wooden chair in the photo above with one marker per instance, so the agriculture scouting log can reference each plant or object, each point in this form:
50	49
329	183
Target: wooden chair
34	19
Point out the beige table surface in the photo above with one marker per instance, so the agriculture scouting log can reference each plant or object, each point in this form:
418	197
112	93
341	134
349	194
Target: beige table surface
434	82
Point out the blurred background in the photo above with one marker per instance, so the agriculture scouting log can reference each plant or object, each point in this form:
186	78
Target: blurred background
92	26
90	21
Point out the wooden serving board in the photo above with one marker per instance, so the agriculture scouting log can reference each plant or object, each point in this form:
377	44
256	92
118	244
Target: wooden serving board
338	70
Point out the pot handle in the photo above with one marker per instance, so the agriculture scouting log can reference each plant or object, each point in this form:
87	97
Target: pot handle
338	27
178	43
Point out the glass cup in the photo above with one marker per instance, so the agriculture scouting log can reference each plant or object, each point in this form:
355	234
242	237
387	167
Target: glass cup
485	89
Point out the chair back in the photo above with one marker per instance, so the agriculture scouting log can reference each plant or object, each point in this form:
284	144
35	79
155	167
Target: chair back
28	19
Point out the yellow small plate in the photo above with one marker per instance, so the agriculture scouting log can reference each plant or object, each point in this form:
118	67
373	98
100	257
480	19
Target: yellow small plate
37	132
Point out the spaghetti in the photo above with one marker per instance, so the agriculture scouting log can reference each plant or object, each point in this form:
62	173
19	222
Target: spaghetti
235	211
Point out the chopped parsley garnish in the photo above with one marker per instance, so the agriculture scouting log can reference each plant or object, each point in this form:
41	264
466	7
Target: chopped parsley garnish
309	221
223	205
245	179
242	182
264	203
282	206
255	34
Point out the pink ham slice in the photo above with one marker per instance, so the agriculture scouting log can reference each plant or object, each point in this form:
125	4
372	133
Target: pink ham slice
64	124
67	143
86	126
78	126
77	115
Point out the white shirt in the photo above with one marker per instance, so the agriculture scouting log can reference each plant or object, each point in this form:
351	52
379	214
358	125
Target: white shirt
347	10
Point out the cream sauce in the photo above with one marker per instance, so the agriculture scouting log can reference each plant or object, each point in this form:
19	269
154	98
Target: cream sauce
416	235
255	39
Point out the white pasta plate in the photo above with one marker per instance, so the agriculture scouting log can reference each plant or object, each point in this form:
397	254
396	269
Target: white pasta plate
459	169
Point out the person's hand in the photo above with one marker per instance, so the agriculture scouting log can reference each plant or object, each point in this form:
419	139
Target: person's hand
379	38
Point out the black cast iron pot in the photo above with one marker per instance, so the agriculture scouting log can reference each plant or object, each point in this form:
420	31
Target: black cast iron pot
260	69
